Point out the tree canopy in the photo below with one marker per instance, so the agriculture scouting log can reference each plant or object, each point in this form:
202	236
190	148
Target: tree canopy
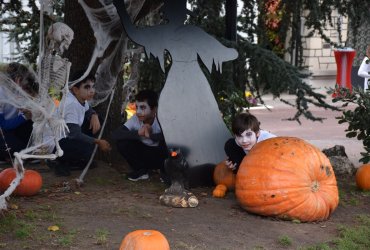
264	29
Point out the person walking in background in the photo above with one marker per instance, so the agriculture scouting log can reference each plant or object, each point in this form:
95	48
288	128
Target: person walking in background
364	70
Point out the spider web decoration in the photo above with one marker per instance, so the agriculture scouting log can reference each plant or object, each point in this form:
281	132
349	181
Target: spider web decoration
48	120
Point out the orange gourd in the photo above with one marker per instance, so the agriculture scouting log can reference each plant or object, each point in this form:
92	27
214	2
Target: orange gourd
224	175
219	191
288	178
144	240
29	185
363	177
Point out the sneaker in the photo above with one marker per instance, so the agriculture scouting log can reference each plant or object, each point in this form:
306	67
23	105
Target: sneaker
137	175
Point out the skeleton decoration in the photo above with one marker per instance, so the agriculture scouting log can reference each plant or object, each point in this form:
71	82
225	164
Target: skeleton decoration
59	37
48	122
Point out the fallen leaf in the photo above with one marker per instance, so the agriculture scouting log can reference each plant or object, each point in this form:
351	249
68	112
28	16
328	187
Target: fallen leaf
78	193
53	228
14	206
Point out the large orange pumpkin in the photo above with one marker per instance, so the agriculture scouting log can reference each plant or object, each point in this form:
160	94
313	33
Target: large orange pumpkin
288	178
224	175
29	185
145	240
363	177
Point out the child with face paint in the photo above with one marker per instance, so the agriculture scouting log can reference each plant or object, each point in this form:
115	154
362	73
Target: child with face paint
79	144
247	132
140	140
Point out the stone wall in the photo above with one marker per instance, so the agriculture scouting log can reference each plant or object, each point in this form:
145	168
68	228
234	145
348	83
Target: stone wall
318	55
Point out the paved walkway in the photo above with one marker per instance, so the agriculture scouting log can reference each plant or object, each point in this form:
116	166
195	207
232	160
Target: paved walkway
324	134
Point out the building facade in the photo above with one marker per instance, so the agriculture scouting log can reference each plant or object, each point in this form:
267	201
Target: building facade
7	48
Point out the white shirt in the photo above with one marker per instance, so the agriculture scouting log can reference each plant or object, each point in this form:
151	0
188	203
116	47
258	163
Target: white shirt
264	135
74	111
364	70
135	124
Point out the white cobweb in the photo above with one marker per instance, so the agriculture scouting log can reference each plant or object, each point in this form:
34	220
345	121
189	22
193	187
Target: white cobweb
49	125
48	122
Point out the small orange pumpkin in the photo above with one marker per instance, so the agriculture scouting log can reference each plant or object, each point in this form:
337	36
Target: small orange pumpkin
29	185
145	240
219	191
56	102
288	178
363	177
224	175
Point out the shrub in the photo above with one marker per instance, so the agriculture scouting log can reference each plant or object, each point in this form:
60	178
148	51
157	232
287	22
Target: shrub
358	119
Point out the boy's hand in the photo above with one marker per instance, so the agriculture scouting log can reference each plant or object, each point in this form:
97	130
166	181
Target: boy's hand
103	145
141	131
26	113
145	130
94	123
230	165
148	130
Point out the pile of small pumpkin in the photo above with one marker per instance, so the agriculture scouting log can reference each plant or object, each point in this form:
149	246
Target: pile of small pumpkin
285	177
29	185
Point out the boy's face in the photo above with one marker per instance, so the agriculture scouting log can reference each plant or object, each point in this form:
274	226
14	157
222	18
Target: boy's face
144	112
85	92
247	139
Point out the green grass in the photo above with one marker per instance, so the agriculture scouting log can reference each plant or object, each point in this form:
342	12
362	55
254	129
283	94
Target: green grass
101	236
285	241
67	239
101	181
22	224
24	230
8	222
357	237
11	224
351	196
350	238
321	246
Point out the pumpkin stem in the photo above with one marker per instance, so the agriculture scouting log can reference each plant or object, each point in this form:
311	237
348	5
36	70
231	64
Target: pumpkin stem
315	186
147	233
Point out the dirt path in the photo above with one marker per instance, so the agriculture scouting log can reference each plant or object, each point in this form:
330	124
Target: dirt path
107	207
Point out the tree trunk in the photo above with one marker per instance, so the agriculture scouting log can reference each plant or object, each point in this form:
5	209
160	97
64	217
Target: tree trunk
82	46
81	49
79	53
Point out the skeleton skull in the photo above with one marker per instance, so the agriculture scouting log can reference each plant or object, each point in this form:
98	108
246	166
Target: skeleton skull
59	37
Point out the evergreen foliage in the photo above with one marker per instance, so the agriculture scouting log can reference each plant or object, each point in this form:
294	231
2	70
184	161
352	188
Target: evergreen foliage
22	22
263	27
358	119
